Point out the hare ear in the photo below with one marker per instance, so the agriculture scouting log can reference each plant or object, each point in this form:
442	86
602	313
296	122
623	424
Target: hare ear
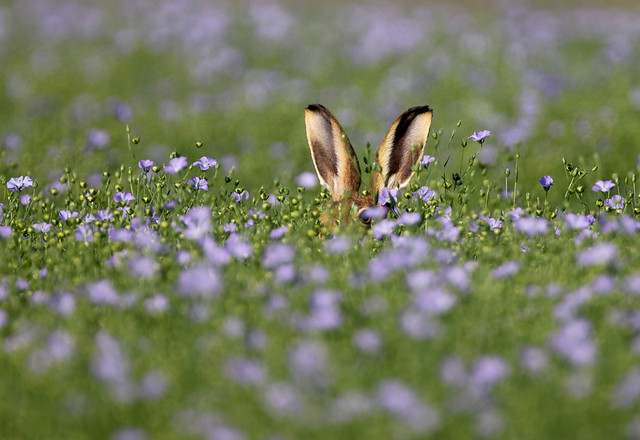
401	149
333	156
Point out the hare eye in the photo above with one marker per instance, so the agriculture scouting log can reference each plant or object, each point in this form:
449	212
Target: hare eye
365	217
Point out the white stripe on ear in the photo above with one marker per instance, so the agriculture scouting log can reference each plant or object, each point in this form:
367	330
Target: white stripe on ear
401	149
333	157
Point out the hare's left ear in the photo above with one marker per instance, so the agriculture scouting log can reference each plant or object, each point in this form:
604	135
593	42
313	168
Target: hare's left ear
333	156
401	149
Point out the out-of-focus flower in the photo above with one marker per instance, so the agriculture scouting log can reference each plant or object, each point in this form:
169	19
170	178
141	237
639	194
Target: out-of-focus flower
175	165
205	163
531	226
388	196
65	215
199	184
615	202
244	195
546	182
19	183
426	160
480	136
201	281
601	253
603	186
307	180
42	226
279	232
145	164
424	193
576	221
123	197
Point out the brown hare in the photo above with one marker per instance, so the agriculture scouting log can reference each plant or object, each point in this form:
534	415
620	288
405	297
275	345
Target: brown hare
338	167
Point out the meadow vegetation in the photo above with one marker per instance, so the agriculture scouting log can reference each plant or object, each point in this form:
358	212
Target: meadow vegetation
164	272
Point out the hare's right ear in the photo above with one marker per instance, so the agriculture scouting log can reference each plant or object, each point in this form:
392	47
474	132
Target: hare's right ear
401	149
333	156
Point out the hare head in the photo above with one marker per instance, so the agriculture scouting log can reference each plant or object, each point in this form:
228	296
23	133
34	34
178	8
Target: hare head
338	167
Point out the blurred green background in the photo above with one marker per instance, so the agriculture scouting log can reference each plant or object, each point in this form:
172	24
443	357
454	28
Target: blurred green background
549	81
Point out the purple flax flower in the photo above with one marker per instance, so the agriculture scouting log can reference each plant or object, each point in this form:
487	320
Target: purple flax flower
602	253
337	245
276	254
102	292
238	246
59	347
25	199
506	270
576	221
615	202
200	281
603	186
84	233
367	341
5	231
278	233
546	182
351	405
574	343
627	391
388	196
245	371
401	402
205	163
157	304
64	304
453	372
244	195
325	313
424	193
410	218
143	267
175	165
104	216
65	215
145	164
516	213
283	399
383	228
152	386
197	222
418	324
307	180
111	366
19	183
97	139
308	363
123	197
534	359
42	226
285	274
434	301
426	160
198	183
480	136
531	226
493	223
487	372
229	228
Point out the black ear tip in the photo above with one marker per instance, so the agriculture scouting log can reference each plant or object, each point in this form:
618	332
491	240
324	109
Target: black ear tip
421	109
316	107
